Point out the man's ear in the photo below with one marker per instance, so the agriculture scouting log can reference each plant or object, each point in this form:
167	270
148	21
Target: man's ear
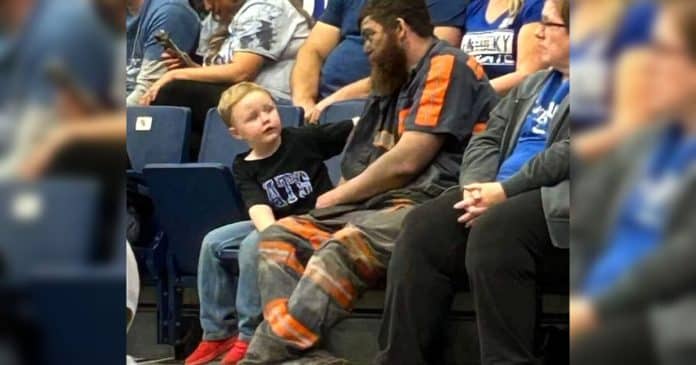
400	28
234	132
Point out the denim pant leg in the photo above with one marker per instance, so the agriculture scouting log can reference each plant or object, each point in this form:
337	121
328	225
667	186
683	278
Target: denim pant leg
216	285
248	297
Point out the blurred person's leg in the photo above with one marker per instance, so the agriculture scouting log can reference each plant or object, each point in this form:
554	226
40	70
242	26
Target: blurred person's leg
426	258
133	291
508	252
132	285
624	341
200	97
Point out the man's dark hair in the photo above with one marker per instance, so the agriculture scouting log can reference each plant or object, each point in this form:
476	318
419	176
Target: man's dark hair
386	12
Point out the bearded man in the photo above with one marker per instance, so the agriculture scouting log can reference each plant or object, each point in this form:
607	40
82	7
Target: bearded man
406	149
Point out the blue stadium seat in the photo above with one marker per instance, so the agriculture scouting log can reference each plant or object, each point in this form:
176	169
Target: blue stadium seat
217	145
291	116
37	230
157	134
335	113
75	312
191	199
343	110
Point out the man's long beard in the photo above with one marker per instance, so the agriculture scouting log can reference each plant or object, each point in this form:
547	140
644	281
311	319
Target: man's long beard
389	70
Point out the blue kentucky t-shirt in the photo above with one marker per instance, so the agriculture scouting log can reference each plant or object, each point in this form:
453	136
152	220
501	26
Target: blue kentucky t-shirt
174	16
642	219
495	44
347	62
596	55
533	134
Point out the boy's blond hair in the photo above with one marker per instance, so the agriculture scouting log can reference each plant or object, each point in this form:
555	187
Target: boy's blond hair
233	96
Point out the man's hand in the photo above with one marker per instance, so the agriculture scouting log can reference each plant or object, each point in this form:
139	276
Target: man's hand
583	317
477	199
329	199
151	95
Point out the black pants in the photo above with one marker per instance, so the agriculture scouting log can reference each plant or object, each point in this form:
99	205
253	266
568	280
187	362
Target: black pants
200	97
505	256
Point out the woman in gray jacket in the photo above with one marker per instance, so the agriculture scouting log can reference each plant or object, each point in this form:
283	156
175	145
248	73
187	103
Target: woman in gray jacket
507	224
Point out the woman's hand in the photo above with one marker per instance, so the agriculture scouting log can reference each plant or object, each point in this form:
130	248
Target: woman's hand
171	60
151	94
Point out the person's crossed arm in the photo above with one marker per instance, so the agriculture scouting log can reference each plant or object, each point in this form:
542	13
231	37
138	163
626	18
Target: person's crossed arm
246	67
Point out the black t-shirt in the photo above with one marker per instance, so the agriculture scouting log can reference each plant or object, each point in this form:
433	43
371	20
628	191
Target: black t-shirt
291	179
446	95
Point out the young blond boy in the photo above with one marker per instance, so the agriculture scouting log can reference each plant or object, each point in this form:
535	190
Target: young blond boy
282	174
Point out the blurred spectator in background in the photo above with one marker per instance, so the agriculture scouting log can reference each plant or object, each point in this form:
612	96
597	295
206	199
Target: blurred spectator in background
331	65
500	34
145	19
89	121
84	116
262	42
611	60
634	222
43	63
57	72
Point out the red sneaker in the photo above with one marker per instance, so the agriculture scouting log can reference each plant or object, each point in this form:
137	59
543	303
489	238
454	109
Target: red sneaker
237	353
208	351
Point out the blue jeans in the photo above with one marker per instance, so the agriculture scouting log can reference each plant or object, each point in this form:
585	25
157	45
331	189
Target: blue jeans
216	285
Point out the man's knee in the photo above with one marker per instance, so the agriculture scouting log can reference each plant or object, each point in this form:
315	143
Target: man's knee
418	232
488	246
